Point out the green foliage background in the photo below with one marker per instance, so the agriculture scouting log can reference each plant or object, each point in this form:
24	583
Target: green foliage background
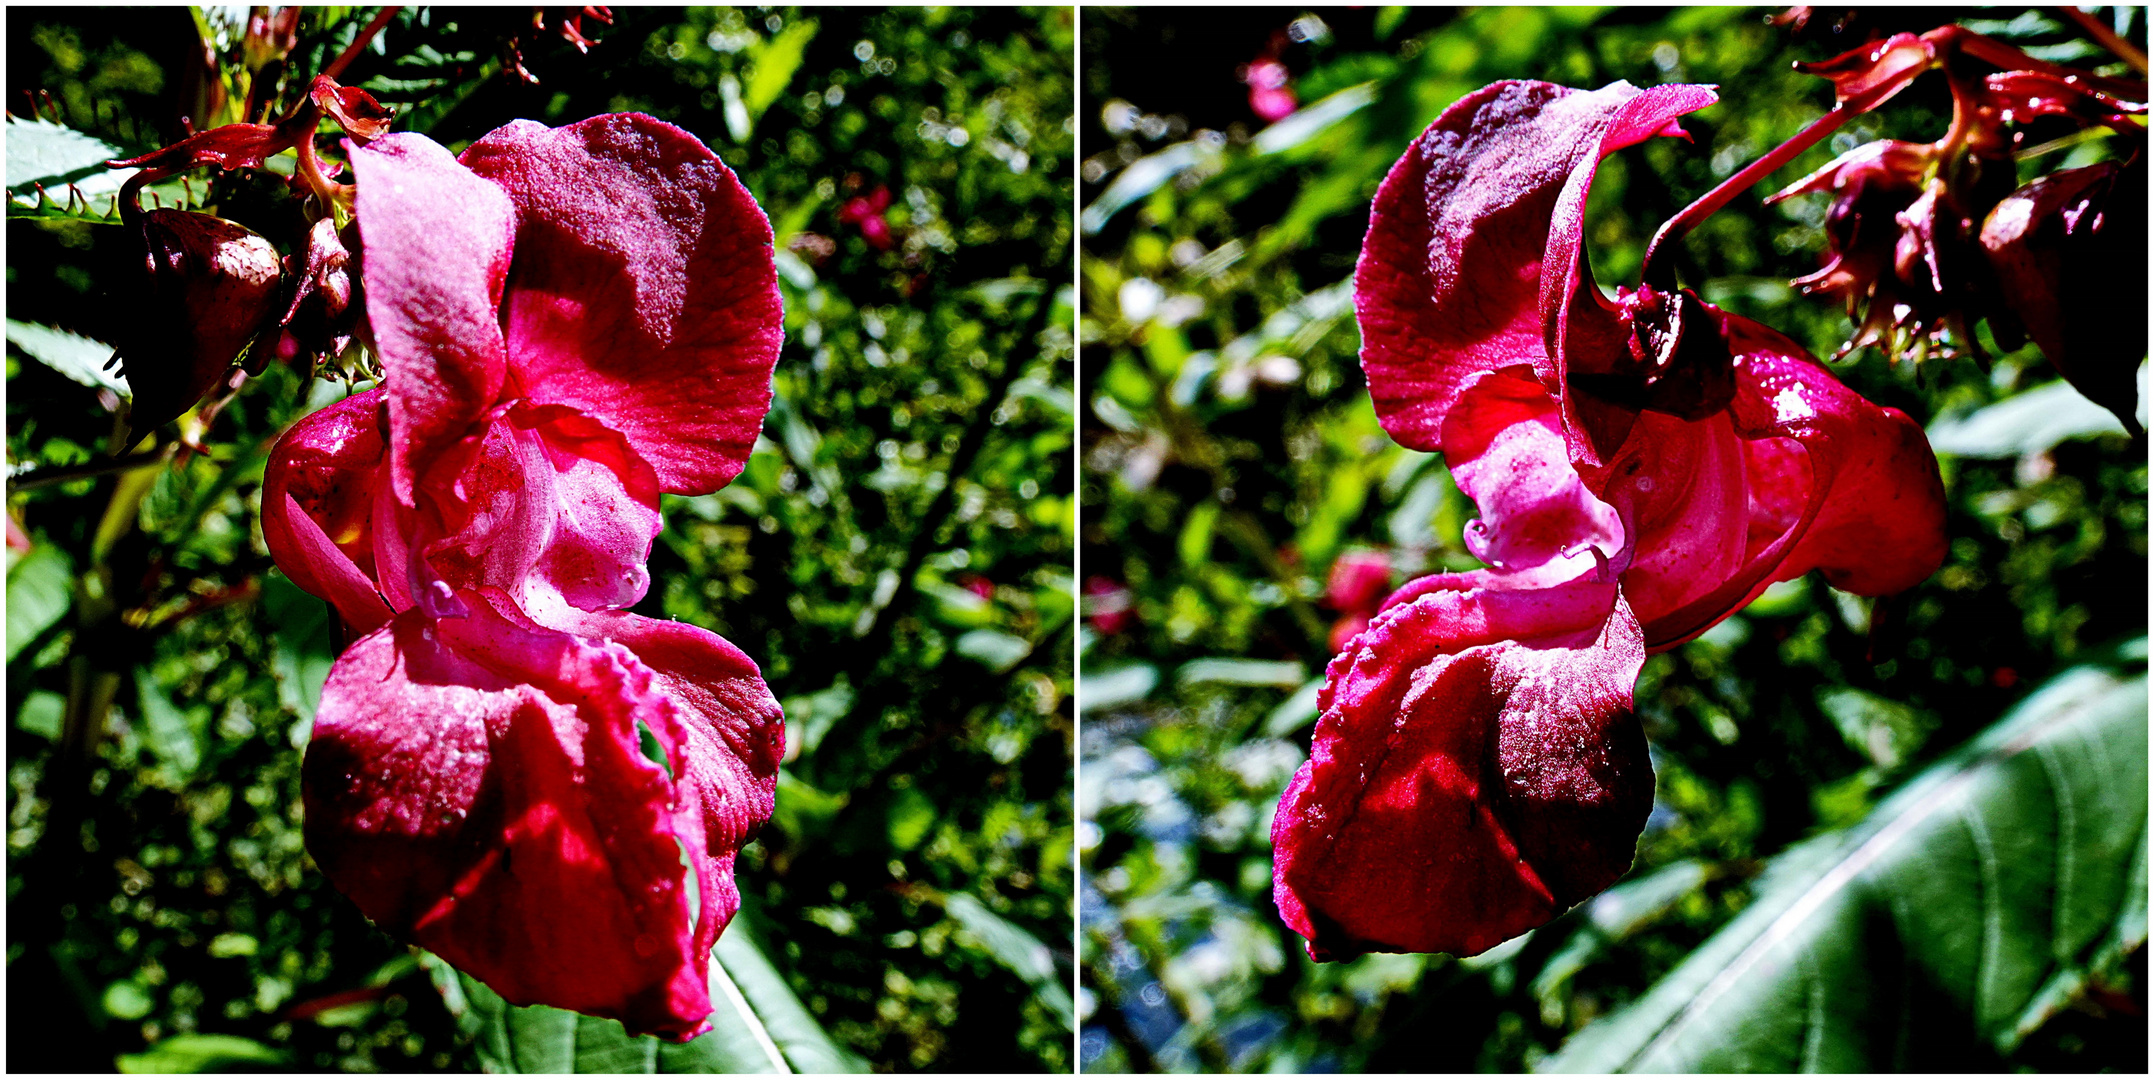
895	556
1231	455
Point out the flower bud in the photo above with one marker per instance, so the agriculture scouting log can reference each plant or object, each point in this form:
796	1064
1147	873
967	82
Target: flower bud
325	287
2069	252
208	284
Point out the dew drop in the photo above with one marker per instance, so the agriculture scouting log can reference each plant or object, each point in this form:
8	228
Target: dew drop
646	945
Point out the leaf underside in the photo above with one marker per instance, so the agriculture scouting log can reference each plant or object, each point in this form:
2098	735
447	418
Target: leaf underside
1941	931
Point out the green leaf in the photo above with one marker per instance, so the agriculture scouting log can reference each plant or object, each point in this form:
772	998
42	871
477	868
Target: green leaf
174	736
2025	423
303	648
38	595
43	713
1286	674
1120	686
757	1025
767	997
40	152
1016	949
200	1053
127	999
775	61
69	166
79	358
1296	711
1976	901
909	818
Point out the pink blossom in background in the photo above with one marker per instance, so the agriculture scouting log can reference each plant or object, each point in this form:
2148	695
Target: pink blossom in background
1107	605
1644	467
571	321
867	211
1269	96
1358	582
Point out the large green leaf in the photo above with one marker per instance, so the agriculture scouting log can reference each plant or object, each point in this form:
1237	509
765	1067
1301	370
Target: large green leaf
1939	932
54	171
758	1026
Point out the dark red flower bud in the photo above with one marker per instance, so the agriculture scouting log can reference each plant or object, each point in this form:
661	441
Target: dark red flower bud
208	284
325	284
272	33
2069	251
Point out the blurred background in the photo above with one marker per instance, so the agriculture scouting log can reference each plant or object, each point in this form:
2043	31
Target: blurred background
896	555
1244	512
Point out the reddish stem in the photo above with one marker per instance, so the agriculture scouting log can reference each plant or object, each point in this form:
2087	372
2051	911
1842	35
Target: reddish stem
1998	54
2106	37
1660	275
351	52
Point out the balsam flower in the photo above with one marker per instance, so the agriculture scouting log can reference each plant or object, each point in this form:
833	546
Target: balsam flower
1644	466
571	321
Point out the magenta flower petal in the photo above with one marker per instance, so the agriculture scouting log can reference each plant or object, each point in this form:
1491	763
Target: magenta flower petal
644	289
478	786
1451	281
725	759
436	248
558	511
1476	770
1504	442
1799	474
318	495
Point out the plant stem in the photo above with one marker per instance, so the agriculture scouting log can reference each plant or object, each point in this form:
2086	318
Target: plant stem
38	478
2106	37
1659	274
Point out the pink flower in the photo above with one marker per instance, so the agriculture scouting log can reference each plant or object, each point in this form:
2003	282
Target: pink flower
1108	605
571	321
867	212
1359	580
1644	468
1269	96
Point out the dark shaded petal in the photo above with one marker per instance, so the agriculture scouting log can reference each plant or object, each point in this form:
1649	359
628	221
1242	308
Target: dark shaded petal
644	291
1476	770
725	760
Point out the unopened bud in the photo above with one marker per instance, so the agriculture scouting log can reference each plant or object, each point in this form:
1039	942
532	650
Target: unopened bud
208	284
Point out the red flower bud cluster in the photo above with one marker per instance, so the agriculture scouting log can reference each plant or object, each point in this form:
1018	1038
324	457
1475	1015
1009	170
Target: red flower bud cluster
1927	239
212	286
